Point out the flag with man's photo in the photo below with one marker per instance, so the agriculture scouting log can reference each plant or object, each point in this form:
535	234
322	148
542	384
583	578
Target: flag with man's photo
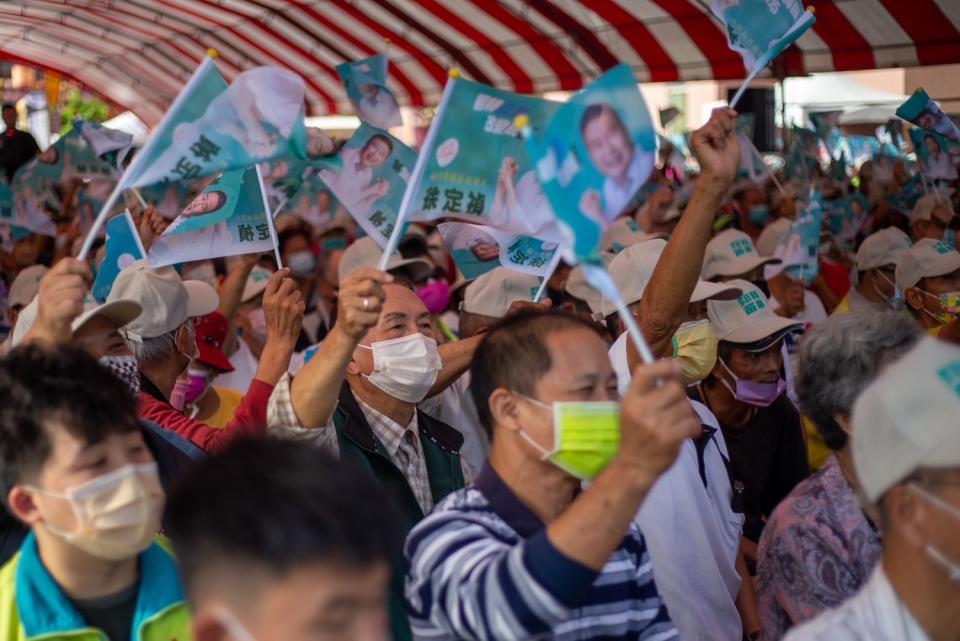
365	82
246	229
799	249
923	111
936	155
477	250
108	144
374	175
826	124
123	248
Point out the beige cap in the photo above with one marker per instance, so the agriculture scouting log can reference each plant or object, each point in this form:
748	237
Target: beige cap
26	285
623	233
771	236
256	282
578	287
882	248
731	253
906	419
927	258
365	253
924	207
167	301
121	312
494	292
748	320
632	269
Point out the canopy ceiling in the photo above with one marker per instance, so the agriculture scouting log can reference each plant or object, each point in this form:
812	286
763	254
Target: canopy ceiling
138	53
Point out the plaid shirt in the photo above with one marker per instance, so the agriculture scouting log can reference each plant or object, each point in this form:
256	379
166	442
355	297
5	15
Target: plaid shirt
401	442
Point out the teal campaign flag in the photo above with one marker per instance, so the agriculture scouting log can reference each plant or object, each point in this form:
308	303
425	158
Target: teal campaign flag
752	166
921	110
827	126
215	204
861	148
315	204
366	84
799	249
284	177
123	247
247	229
935	154
592	157
372	180
477	250
845	218
907	196
803	155
108	144
212	127
759	30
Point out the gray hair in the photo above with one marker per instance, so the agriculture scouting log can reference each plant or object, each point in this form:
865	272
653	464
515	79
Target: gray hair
840	357
154	351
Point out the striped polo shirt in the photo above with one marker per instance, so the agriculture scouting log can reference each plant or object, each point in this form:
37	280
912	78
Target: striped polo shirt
480	566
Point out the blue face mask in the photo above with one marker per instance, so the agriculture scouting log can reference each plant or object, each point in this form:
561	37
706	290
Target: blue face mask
759	215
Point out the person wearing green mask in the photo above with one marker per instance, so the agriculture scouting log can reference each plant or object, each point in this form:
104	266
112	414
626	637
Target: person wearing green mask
542	555
929	277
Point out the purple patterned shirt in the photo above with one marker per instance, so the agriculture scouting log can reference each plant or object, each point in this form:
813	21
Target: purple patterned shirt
816	551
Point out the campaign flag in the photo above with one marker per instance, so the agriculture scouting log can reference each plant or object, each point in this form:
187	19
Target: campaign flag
921	110
284	176
315	204
592	157
935	154
904	199
371	182
212	127
109	144
169	198
845	218
477	250
759	30
799	249
827	126
862	148
247	229
802	155
123	248
366	84
752	166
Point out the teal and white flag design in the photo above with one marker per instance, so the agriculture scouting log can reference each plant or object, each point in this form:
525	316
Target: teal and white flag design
366	84
477	250
123	248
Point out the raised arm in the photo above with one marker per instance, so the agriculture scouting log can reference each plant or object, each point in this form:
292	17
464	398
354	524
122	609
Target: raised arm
61	296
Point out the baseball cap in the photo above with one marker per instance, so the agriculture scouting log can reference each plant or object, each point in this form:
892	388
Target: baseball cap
732	253
578	287
882	248
623	233
256	282
924	207
906	419
493	293
748	320
365	253
120	311
26	285
632	269
927	258
167	301
211	332
771	236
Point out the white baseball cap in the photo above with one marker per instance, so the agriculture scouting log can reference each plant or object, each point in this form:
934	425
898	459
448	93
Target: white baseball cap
493	293
732	253
365	253
256	282
622	233
881	248
167	301
578	287
926	259
26	285
120	311
906	419
749	320
771	236
925	206
632	269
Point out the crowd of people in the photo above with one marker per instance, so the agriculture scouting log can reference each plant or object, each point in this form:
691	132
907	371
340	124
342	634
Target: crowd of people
227	450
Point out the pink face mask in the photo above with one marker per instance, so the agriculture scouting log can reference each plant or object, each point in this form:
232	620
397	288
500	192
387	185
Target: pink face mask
436	296
197	383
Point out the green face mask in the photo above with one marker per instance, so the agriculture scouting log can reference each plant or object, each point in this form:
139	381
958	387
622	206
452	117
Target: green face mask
586	436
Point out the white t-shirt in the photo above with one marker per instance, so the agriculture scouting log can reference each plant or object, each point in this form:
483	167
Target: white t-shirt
692	532
615	197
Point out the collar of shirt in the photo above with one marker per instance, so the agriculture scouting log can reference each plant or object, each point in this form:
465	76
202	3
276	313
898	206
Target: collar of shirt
388	430
506	504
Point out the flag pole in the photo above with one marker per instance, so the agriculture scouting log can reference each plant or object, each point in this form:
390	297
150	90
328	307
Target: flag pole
554	262
266	212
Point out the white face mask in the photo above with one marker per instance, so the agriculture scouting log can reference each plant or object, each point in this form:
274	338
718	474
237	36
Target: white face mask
405	368
118	514
124	368
935	555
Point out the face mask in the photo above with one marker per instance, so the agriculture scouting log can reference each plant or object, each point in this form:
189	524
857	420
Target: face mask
118	514
896	301
586	436
203	272
302	264
124	368
695	350
759	215
258	324
436	296
752	392
405	368
949	307
178	395
935	555
198	381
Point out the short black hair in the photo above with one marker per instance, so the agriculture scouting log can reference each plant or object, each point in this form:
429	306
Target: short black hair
382	138
8	105
594	111
277	505
514	355
42	388
289	234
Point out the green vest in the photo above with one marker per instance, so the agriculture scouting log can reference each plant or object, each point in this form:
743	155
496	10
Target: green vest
441	450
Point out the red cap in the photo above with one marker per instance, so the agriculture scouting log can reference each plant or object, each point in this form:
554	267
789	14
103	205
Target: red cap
211	332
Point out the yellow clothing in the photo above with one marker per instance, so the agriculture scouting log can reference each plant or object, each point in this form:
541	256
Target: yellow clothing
817	450
935	331
843	307
229	402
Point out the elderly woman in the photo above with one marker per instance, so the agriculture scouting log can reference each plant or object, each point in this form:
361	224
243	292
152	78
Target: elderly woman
819	546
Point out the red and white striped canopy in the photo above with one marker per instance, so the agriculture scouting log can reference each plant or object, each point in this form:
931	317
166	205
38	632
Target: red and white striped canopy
138	53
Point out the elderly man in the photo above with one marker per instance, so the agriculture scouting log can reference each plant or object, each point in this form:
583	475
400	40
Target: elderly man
930	217
908	465
819	546
732	255
929	277
545	559
164	343
876	264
